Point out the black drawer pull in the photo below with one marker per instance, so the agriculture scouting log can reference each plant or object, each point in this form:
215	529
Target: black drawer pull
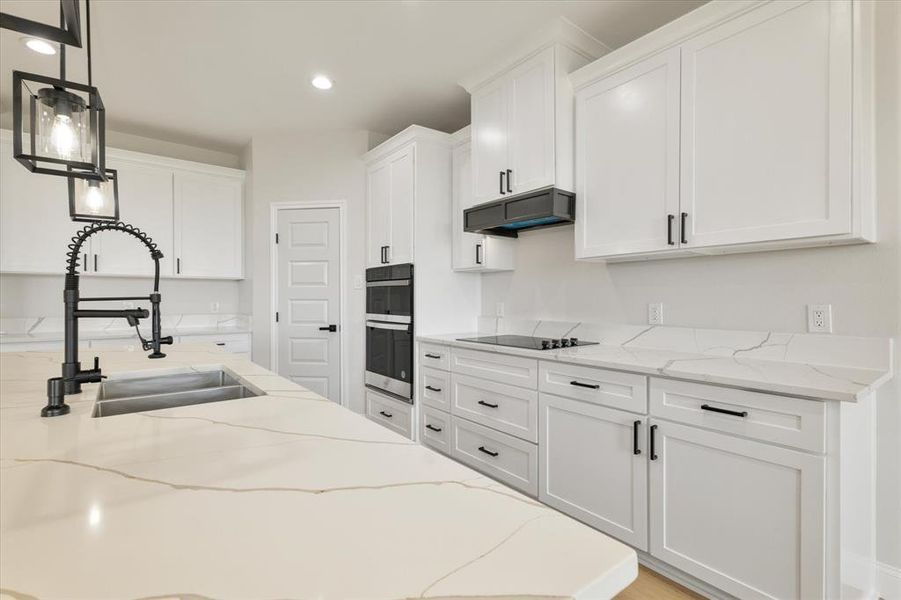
682	228
432	389
488	404
433	356
725	411
220	343
487	451
592	386
501	184
653	445
386	415
433	428
510	180
635	448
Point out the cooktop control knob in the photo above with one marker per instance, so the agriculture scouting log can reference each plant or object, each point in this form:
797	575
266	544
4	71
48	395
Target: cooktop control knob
573	341
564	342
555	343
545	344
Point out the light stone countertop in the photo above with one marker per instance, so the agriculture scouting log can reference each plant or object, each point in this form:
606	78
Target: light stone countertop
808	380
282	496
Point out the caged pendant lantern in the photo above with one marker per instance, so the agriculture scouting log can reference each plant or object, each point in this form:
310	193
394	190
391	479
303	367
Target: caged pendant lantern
58	125
94	199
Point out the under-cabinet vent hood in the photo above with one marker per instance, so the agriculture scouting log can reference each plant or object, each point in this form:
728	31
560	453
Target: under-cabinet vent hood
508	216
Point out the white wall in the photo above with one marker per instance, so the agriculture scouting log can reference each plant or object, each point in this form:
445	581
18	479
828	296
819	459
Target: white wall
307	167
759	291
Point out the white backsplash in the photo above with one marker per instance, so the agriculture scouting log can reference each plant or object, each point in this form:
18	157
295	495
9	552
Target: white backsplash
36	326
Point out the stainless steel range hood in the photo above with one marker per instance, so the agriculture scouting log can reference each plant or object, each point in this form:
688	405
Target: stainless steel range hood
506	217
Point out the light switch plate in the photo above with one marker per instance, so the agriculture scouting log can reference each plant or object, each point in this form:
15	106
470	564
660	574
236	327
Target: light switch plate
819	318
655	313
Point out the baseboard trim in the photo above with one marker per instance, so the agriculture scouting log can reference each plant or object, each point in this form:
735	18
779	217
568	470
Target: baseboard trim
684	579
888	581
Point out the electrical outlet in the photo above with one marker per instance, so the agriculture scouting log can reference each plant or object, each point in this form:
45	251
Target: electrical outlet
499	309
819	318
655	313
214	307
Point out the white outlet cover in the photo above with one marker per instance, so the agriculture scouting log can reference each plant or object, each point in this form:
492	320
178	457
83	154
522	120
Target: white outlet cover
819	318
655	313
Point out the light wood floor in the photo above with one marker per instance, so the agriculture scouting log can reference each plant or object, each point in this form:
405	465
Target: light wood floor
651	586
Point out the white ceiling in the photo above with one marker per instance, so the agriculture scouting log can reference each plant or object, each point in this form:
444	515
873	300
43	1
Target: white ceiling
214	73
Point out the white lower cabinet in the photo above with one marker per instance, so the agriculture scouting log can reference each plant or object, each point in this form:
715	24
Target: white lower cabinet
504	457
593	466
435	429
744	516
390	412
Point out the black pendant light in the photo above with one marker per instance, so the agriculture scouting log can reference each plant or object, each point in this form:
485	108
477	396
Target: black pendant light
58	125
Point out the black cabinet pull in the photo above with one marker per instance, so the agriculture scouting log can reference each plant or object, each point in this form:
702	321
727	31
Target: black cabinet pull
85	261
653	445
510	180
478	254
220	343
487	451
725	411
387	254
669	229
432	389
95	263
501	184
177	266
682	227
488	404
433	428
635	448
433	356
386	415
592	386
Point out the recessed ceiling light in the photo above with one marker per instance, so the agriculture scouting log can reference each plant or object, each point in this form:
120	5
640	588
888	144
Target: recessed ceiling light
40	46
321	82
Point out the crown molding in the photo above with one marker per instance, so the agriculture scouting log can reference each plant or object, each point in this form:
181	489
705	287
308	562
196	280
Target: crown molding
413	133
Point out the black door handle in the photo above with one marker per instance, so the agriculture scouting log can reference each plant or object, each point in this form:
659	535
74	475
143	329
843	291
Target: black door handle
635	448
488	452
433	356
509	180
682	228
724	411
332	328
432	389
488	404
386	415
592	386
478	254
669	230
433	428
653	445
501	183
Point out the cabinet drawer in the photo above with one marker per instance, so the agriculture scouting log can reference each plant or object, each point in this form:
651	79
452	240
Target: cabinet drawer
435	429
778	419
625	391
496	454
435	356
391	413
230	342
507	408
434	388
495	367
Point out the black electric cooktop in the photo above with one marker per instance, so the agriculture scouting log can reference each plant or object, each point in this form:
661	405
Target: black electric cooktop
528	342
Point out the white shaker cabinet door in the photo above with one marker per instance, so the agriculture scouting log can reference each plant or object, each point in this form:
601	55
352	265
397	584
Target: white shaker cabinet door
593	466
531	124
744	516
403	192
627	153
378	213
208	222
766	125
145	201
35	228
489	141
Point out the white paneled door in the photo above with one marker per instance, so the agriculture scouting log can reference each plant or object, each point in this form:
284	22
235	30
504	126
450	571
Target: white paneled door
308	262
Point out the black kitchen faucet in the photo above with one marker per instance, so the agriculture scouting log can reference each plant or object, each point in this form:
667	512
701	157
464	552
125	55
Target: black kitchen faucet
72	373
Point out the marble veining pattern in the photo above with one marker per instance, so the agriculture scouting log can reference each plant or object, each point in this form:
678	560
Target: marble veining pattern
286	495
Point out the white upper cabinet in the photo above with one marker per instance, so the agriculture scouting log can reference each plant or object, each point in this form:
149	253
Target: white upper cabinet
378	212
733	128
145	201
627	184
208	225
522	123
766	125
472	251
390	194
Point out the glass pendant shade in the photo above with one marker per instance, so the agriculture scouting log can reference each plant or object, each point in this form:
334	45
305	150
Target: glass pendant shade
58	126
94	199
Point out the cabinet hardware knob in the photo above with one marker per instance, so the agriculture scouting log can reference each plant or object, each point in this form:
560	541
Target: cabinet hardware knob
725	411
488	404
487	451
591	386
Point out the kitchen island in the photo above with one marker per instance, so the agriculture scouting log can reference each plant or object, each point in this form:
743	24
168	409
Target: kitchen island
285	495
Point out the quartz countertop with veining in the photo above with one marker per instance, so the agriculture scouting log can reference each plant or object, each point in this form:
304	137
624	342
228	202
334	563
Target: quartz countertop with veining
286	495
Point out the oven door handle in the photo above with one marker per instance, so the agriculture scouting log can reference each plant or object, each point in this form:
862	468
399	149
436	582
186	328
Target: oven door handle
394	326
389	283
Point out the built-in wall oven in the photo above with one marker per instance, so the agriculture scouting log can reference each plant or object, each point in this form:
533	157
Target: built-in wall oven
389	330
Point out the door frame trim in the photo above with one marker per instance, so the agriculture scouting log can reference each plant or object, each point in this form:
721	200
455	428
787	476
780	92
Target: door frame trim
274	209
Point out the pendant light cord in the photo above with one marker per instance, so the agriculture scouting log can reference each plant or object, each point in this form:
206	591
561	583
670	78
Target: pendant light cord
62	47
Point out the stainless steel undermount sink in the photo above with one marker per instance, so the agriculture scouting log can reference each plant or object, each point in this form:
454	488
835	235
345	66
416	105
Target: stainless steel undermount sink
142	394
